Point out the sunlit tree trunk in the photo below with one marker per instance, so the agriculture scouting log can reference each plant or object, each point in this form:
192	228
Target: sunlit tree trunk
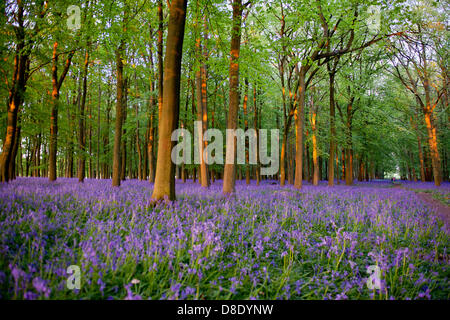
316	172
229	171
433	144
202	115
54	116
15	95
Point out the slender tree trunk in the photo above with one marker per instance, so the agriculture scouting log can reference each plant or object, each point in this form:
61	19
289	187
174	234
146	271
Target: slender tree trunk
419	144
299	128
150	150
106	171
90	136
151	131
15	147
70	147
247	157
138	141
202	115
256	127
82	123
119	110
54	116
123	169
160	57
97	173
332	133
283	155
349	151
337	166
316	177
56	85
165	179
183	125
229	172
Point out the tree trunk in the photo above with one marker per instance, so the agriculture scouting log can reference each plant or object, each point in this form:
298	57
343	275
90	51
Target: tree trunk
138	140
349	151
229	171
202	115
316	175
160	57
15	95
106	170
432	142
165	179
247	156
119	109
299	128
123	148
332	133
15	147
54	117
82	123
97	173
256	127
56	85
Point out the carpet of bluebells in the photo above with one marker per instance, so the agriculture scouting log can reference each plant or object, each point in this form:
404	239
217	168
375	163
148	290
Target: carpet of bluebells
265	242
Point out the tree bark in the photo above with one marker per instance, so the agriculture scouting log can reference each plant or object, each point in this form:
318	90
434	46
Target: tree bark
15	95
229	171
202	114
82	123
165	178
123	148
432	142
119	110
247	156
138	140
97	171
256	127
299	128
332	132
316	171
349	151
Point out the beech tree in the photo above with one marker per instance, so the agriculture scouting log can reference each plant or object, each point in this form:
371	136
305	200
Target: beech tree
165	169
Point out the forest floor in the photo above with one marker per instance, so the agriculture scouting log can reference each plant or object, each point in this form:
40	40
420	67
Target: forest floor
266	242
